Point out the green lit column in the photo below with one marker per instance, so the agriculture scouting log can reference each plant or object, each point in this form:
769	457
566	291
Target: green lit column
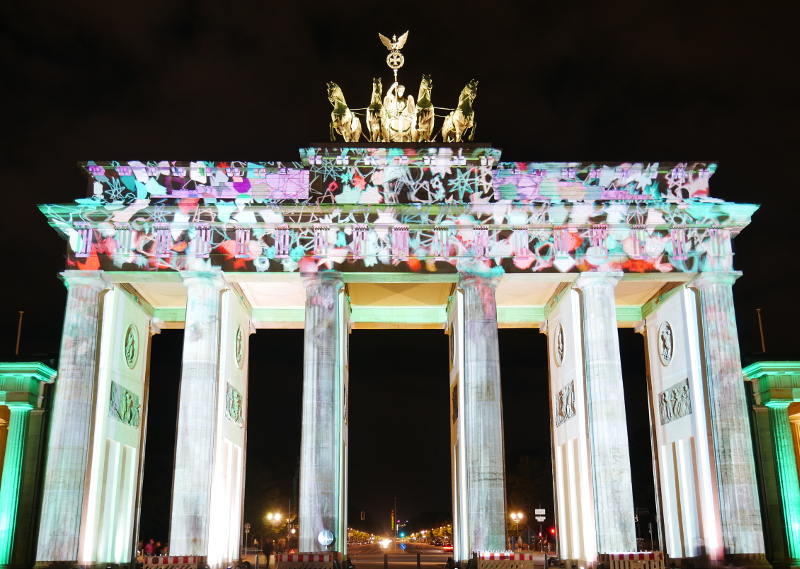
12	476
787	474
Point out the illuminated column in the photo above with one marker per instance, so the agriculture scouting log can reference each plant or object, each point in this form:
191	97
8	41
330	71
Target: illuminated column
783	443
11	480
608	430
740	511
483	416
320	452
68	448
197	416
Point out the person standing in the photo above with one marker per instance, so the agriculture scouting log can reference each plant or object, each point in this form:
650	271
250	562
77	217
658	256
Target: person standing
150	547
267	549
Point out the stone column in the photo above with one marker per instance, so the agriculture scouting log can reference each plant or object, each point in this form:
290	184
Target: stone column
197	416
320	447
483	416
68	448
11	480
740	512
786	464
608	430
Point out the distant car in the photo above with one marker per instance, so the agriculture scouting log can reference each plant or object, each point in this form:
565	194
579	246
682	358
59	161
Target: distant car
437	542
447	547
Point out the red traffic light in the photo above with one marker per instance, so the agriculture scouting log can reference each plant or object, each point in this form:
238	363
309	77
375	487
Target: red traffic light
553	531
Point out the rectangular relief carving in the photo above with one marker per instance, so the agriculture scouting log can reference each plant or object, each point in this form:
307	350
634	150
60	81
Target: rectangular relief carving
234	405
564	408
674	402
124	405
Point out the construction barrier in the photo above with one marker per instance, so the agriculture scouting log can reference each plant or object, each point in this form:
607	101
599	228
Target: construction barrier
305	560
637	560
504	560
173	561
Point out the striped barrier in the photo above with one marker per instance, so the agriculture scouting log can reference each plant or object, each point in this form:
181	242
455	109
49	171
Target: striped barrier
504	560
173	561
305	560
637	560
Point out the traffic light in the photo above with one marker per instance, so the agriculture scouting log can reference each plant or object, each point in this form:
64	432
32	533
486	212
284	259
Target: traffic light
553	531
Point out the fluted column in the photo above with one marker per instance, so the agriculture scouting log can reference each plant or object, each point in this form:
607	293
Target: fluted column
786	464
608	429
320	452
197	416
68	448
483	416
12	476
740	512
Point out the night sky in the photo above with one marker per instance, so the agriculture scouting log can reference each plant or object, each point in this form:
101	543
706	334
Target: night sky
618	81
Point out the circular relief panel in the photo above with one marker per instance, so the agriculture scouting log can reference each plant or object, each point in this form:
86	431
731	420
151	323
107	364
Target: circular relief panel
131	347
666	343
559	344
238	346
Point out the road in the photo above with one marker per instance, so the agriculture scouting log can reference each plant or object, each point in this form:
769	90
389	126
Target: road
371	556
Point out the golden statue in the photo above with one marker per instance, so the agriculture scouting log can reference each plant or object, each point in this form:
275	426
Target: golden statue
396	117
399	115
395	59
425	116
462	118
375	129
343	120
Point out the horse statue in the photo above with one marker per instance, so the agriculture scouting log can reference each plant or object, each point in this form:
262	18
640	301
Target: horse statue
424	127
343	120
462	117
375	129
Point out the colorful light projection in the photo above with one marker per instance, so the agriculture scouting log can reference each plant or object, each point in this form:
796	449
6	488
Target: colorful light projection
435	209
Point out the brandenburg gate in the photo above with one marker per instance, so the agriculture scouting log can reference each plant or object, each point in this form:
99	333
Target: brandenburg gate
416	236
402	232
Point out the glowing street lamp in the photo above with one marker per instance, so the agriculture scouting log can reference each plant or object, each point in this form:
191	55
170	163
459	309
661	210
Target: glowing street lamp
516	518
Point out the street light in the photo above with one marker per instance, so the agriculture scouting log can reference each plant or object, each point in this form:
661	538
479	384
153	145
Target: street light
516	518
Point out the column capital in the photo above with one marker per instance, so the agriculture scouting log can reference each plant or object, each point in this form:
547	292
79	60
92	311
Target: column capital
467	280
18	405
94	279
598	279
208	278
779	404
712	278
156	325
310	280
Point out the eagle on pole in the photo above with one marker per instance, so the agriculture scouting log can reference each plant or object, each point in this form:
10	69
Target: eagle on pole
394	44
